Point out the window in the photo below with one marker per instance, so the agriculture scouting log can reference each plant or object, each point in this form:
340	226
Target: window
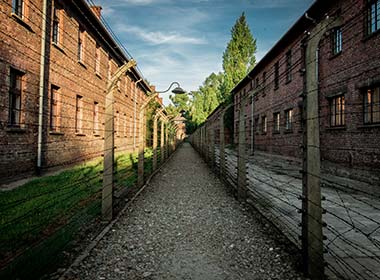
97	60
256	125
289	119
276	122
96	118
18	7
373	16
55	113
80	45
15	90
288	66
117	124
125	125
109	69
130	126
79	114
337	111
276	75
250	128
56	22
257	82
372	106
264	124
336	41
264	81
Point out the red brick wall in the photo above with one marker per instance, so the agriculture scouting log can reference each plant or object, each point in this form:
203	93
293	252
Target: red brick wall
20	48
355	145
19	42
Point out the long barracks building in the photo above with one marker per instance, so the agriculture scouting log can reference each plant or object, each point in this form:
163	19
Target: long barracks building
68	58
347	74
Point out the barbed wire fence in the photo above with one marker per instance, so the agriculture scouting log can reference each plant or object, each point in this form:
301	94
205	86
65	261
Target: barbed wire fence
52	209
334	220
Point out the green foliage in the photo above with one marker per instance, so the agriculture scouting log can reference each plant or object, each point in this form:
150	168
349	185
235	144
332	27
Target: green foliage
172	110
238	59
239	56
149	114
181	102
206	99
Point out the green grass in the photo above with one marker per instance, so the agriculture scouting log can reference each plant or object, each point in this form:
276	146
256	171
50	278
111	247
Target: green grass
34	211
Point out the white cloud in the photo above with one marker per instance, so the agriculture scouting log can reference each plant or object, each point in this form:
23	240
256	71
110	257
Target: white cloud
158	37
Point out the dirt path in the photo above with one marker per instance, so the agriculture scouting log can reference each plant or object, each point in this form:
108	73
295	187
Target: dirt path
186	225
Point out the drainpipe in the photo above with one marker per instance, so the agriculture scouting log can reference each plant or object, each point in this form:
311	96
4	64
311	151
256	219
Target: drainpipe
42	86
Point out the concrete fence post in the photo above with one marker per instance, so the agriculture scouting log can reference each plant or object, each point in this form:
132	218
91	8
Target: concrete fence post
109	146
167	152
108	168
141	145
222	156
155	141
207	137
162	144
212	147
242	169
312	226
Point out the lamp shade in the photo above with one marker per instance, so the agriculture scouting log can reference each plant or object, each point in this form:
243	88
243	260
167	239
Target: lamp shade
178	90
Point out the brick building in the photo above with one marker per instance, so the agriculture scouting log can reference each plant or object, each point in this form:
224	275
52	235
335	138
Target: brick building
78	57
348	78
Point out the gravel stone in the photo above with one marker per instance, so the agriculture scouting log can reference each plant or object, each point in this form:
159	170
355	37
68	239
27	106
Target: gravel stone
188	225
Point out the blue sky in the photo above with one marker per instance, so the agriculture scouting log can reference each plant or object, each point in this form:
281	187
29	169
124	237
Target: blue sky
184	40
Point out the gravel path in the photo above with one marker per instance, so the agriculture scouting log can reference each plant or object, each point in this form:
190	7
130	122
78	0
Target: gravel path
186	225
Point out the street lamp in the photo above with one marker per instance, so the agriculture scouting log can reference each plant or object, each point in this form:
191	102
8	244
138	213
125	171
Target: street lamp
177	90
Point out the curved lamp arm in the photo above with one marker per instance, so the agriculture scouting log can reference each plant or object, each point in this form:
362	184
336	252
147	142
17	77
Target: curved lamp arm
173	83
177	90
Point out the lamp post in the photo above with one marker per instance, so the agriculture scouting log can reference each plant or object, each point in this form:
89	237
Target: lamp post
140	169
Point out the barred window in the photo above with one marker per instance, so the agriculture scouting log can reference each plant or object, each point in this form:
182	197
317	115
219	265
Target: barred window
56	23
289	119
372	106
264	124
96	118
79	114
276	122
256	125
373	16
117	123
337	111
264	82
15	90
276	75
18	7
125	125
97	60
55	112
288	66
336	41
81	44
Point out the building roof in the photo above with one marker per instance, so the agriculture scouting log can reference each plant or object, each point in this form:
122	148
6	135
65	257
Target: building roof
302	24
99	29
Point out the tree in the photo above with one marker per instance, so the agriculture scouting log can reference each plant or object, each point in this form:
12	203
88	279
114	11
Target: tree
206	98
181	102
238	58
